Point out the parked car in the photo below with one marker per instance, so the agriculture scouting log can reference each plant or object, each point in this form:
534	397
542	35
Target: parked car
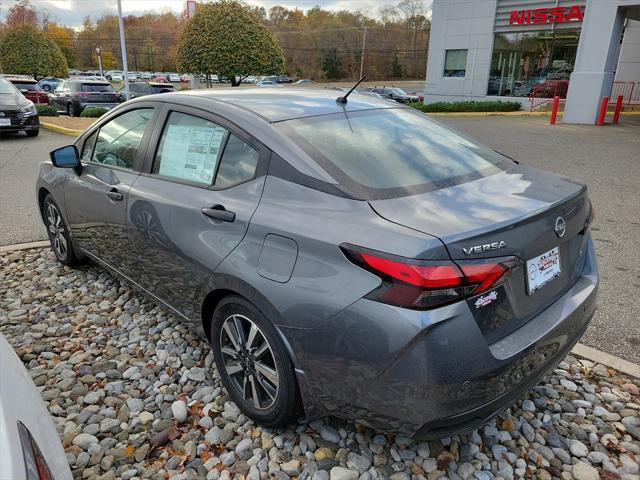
49	84
115	76
393	93
185	78
139	89
146	75
30	448
73	96
304	81
372	94
357	259
265	82
174	78
30	89
157	77
17	113
284	79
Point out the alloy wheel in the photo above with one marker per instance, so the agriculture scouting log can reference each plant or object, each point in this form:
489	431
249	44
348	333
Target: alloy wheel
55	226
249	361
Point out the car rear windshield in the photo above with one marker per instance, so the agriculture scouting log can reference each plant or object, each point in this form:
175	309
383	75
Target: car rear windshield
385	153
162	88
32	87
97	87
6	87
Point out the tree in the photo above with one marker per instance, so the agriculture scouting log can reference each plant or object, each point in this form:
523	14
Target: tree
28	51
22	14
332	66
63	37
226	38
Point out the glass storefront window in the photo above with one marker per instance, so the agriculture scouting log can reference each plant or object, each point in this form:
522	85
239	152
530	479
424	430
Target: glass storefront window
455	63
521	61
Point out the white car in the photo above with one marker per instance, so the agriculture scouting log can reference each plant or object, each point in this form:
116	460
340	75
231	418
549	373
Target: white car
116	76
174	78
29	444
146	75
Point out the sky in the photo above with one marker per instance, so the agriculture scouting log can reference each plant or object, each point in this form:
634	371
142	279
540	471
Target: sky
72	12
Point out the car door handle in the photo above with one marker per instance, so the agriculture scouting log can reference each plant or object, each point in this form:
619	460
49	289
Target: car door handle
218	212
115	195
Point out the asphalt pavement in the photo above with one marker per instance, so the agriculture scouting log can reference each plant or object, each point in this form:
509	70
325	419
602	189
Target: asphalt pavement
19	158
606	158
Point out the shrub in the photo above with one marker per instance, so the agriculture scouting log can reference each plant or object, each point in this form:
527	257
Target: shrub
47	111
93	112
470	106
28	51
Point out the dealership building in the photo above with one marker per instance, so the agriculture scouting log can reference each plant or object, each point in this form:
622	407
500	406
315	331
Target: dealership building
580	50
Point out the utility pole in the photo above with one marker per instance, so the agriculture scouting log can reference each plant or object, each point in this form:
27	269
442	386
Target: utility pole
123	49
364	43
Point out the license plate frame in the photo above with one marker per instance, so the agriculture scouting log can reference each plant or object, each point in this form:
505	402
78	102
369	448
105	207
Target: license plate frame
542	270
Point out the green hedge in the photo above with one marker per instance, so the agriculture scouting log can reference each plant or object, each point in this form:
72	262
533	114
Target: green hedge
471	106
93	112
47	111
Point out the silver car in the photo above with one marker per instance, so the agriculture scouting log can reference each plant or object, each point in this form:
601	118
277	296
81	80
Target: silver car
29	444
344	256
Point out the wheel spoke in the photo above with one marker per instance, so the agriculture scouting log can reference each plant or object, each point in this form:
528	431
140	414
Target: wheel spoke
254	391
230	351
232	334
242	339
252	335
63	245
233	368
261	350
267	387
267	372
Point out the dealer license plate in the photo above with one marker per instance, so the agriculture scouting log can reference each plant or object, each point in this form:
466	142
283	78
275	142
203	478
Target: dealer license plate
542	270
5	122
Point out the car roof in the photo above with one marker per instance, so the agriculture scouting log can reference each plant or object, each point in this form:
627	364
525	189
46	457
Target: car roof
288	103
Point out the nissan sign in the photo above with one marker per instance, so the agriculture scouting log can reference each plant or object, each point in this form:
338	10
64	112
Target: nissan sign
546	15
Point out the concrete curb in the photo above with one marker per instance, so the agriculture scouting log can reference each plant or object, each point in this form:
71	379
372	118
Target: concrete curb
579	350
504	114
58	129
607	360
23	246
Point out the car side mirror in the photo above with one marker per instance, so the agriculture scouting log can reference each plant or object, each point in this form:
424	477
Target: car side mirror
65	157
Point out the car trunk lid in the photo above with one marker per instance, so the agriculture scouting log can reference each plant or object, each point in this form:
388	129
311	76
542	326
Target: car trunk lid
509	214
98	93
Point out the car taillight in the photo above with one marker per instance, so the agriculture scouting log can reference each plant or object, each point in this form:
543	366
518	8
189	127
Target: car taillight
35	465
422	285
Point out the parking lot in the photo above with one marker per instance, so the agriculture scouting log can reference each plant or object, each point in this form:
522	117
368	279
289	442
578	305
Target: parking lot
605	158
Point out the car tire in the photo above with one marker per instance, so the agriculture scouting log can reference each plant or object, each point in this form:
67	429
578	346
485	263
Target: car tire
258	366
46	88
33	133
58	233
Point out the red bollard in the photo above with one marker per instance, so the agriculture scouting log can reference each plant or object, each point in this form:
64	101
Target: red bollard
603	111
554	109
616	113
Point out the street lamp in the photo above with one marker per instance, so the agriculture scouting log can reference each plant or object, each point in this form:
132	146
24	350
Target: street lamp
99	52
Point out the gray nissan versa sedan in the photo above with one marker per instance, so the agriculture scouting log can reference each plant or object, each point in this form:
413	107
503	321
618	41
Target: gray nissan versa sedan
351	258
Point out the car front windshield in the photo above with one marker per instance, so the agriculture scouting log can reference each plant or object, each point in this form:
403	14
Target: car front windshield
392	152
6	87
398	91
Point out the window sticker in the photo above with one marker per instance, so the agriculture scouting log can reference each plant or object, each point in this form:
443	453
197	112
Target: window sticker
191	153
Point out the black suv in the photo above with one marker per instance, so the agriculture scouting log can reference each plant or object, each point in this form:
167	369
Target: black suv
139	89
73	96
17	114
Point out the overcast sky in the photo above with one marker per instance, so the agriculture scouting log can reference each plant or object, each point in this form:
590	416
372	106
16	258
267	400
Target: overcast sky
72	12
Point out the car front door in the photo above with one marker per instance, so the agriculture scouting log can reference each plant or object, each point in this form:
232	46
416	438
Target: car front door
96	198
57	96
192	204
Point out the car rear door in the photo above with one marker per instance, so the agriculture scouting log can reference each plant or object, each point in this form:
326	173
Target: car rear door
202	181
96	198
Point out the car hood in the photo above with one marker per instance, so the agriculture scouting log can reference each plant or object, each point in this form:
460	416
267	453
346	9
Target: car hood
12	101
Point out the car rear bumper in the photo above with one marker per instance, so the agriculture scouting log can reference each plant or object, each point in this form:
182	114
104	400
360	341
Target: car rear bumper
108	106
432	374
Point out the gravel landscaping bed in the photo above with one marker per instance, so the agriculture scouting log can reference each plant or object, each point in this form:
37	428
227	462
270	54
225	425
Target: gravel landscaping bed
136	395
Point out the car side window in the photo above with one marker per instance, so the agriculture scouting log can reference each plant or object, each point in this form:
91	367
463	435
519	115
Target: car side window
239	163
87	147
189	148
119	140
